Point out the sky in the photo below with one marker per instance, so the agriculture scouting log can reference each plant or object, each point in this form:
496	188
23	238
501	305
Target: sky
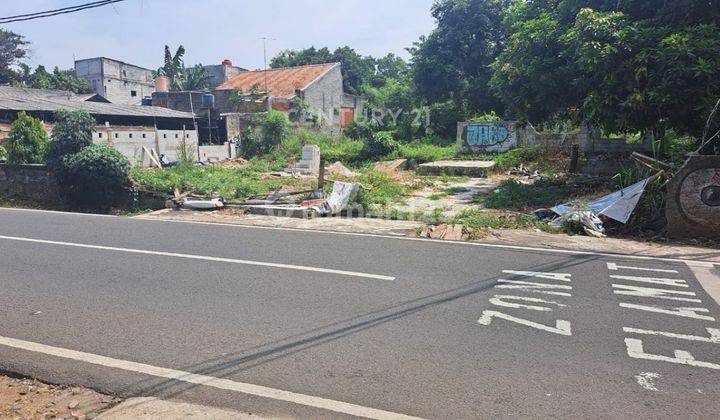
136	31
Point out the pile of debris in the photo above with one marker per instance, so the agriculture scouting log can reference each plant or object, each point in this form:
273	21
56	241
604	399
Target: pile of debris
236	163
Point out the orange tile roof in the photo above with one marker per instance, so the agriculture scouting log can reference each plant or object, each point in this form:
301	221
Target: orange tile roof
280	82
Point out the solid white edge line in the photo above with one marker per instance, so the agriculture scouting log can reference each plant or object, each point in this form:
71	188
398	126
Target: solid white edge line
204	380
202	257
699	263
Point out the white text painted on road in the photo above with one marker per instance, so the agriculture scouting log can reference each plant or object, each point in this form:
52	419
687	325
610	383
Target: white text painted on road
562	327
634	346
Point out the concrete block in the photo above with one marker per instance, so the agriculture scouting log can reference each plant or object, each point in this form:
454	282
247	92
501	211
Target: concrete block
472	168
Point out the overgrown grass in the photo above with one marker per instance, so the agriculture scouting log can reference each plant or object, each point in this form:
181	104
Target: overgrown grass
513	195
420	152
477	219
209	180
381	189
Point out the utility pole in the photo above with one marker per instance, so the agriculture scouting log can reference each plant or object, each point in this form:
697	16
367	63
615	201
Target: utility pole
265	40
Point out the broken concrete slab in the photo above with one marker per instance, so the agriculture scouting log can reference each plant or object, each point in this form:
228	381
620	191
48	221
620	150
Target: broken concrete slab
297	212
473	168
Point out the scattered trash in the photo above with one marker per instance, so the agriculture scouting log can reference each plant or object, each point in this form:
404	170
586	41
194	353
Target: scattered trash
580	220
617	206
199	204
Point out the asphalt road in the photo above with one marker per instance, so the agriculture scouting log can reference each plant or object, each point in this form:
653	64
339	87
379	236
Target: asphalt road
323	325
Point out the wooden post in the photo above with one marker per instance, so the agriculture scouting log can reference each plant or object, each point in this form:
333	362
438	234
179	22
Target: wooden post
574	157
321	175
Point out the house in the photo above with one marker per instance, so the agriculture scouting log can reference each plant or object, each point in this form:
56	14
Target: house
117	81
221	73
221	119
125	127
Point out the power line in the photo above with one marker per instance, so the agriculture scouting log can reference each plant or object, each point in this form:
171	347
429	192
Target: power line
55	12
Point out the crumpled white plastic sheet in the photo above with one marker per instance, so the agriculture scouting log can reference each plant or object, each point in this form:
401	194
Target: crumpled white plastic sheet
617	206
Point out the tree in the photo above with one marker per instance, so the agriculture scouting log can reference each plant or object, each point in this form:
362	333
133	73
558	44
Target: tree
631	66
13	48
27	140
452	63
173	67
195	78
58	79
390	67
72	132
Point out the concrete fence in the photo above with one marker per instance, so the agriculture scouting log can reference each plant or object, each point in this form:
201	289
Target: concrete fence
29	182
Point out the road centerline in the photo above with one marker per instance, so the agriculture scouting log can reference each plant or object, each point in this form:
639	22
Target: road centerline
211	381
203	258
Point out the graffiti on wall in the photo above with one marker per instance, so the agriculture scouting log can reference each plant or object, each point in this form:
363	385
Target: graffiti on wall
476	137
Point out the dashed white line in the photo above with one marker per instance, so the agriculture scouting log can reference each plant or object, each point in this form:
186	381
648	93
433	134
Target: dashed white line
210	381
203	257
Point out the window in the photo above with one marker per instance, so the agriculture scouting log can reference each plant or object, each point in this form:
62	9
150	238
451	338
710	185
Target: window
133	93
124	73
187	136
144	135
130	135
176	135
99	135
117	135
164	136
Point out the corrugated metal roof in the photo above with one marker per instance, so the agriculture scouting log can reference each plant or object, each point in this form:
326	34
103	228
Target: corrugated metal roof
26	99
280	82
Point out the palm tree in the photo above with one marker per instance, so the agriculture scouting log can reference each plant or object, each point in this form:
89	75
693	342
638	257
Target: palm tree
195	78
173	67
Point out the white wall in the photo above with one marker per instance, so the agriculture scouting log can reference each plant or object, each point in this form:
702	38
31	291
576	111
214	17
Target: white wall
130	143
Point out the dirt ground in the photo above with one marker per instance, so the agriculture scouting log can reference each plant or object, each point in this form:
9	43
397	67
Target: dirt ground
30	399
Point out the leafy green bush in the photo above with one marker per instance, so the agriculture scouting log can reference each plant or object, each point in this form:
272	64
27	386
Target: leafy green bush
27	140
360	130
381	144
3	153
275	128
95	178
513	157
72	132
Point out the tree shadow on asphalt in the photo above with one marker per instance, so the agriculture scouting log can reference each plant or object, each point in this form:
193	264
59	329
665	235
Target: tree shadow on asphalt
228	365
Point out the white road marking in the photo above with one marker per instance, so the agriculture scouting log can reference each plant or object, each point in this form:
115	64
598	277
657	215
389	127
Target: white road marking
683	312
647	380
561	327
500	300
549	276
376	235
714	334
708	280
651	292
653	280
530	286
615	267
636	351
189	377
204	258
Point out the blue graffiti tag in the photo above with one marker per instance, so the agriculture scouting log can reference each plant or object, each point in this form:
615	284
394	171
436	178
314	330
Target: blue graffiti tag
486	134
